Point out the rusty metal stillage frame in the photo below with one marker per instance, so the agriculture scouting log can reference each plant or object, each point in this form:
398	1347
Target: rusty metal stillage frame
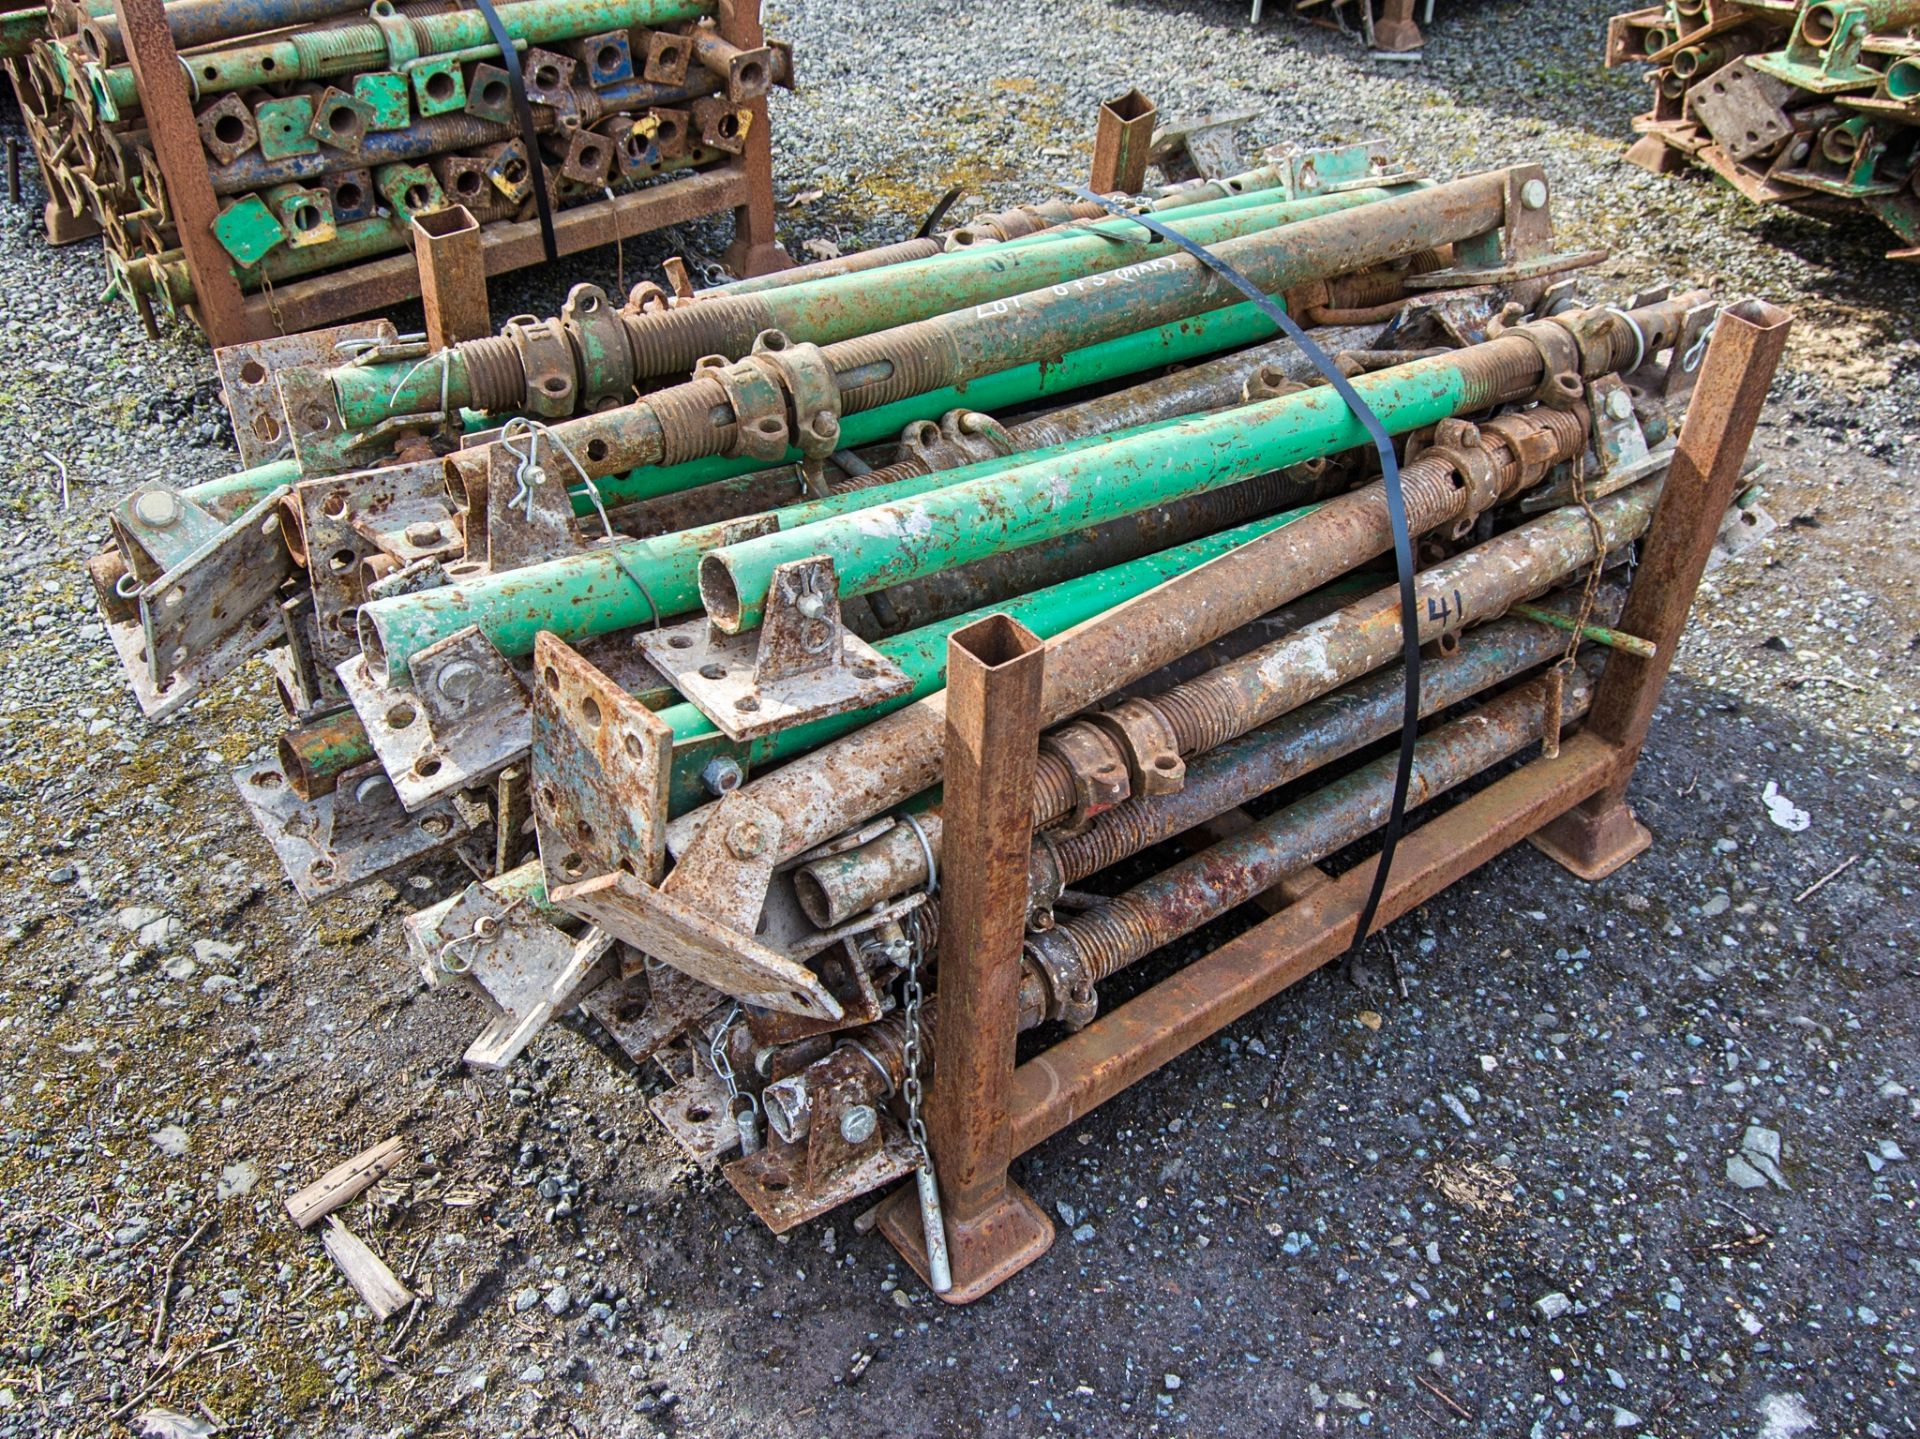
743	184
1573	806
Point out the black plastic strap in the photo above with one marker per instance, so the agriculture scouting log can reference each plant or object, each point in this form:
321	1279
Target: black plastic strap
523	110
939	211
1396	515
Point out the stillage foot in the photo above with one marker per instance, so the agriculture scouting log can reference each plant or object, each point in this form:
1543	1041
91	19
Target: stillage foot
1592	844
984	1251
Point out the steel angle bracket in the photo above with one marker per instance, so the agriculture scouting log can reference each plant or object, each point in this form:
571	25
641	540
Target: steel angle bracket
1335	169
1829	68
357	833
1682	368
322	443
523	966
1519	250
529	512
785	928
1745	526
703	919
208	611
184	684
602	762
1619	447
399	510
1508	272
1853	180
405	512
1205	150
462	715
1617	437
307	689
802	664
156	529
1560	492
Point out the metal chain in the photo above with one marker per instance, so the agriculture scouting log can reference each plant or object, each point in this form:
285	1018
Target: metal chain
910	1057
747	1120
717	1055
1562	670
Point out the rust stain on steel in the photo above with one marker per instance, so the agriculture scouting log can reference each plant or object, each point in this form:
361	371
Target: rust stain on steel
1130	1042
1179	900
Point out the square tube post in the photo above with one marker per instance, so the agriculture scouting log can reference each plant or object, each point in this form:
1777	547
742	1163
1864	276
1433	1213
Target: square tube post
1598	836
755	250
175	136
453	276
994	1229
1122	138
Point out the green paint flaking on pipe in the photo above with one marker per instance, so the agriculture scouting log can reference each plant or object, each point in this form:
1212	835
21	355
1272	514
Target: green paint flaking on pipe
592	594
844	306
890	543
1173	344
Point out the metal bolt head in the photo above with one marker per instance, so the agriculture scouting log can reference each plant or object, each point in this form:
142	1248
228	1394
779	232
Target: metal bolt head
424	533
858	1123
158	508
1533	194
1619	405
722	776
811	605
745	839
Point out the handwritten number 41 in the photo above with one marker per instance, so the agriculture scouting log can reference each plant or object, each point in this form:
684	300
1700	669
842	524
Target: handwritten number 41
1442	608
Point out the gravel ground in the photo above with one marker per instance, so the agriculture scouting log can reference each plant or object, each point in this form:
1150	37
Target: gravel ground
1500	1204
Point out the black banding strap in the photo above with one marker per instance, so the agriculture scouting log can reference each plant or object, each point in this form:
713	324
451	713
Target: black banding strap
523	109
1396	515
939	211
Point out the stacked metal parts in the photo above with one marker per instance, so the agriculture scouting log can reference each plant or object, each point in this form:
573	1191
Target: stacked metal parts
793	716
1392	26
250	164
1813	106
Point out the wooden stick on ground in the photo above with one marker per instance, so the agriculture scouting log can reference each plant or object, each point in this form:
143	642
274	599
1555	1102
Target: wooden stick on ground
166	1287
366	1271
342	1183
